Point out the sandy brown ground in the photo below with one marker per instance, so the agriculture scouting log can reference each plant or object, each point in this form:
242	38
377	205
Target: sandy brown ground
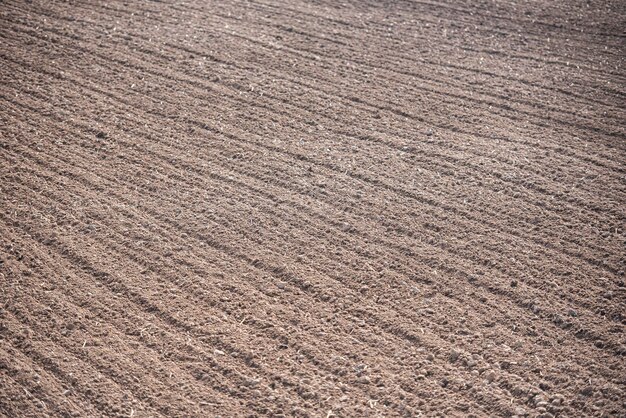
289	208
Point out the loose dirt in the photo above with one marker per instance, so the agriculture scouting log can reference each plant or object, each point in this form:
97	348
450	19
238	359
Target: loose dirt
289	208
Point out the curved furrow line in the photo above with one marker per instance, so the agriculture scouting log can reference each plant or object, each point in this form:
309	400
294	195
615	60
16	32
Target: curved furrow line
402	114
196	353
290	29
36	350
384	31
393	58
143	303
312	87
131	333
434	91
23	371
387	226
465	13
396	226
374	322
225	346
92	187
17	392
392	226
412	75
448	64
444	248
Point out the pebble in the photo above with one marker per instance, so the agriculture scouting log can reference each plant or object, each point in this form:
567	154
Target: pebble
454	355
513	283
587	391
429	132
572	312
430	357
490	376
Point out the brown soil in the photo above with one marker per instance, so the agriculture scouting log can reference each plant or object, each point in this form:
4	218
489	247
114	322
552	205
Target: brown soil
291	208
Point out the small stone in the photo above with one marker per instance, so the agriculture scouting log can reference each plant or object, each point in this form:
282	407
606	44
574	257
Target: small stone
572	312
608	295
429	132
430	357
490	376
513	283
454	355
587	391
420	377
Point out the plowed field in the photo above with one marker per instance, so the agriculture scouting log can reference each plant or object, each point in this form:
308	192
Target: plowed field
324	209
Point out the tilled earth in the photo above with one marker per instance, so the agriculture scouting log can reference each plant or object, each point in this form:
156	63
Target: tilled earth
325	209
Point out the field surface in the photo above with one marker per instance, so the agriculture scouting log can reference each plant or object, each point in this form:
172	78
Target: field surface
324	209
